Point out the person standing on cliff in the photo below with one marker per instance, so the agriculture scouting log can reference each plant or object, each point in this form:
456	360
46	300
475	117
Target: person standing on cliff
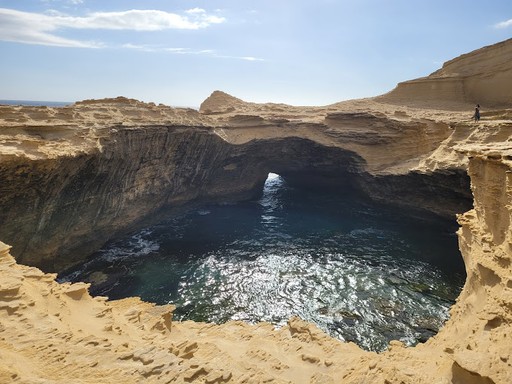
476	116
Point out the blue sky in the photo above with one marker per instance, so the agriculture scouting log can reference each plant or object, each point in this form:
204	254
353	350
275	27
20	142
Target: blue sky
176	52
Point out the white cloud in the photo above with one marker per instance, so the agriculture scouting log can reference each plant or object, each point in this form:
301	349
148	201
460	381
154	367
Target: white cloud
504	24
250	58
138	20
72	2
36	28
33	28
138	47
196	10
188	51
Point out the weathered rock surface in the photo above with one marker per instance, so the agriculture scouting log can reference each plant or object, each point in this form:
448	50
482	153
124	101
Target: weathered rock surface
71	178
75	177
56	333
483	76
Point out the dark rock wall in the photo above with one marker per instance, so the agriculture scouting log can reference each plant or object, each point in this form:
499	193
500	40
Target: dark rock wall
57	212
442	193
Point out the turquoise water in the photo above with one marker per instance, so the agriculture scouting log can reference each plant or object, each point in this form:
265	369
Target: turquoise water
361	272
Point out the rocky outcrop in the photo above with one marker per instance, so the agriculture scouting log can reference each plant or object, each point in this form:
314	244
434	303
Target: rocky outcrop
58	333
483	76
220	102
482	350
75	177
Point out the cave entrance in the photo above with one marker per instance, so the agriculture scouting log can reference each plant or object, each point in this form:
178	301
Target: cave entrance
359	272
273	179
273	184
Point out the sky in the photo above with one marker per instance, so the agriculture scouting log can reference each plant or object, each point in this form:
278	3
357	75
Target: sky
177	52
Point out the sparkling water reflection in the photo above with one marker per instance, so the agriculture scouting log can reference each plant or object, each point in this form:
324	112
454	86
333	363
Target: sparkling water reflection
360	272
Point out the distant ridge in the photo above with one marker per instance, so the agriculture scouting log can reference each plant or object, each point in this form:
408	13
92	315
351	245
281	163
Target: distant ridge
482	76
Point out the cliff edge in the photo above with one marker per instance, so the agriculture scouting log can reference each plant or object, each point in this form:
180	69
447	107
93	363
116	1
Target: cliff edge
74	177
54	332
483	76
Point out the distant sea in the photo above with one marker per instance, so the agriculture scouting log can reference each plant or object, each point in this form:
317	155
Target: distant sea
36	103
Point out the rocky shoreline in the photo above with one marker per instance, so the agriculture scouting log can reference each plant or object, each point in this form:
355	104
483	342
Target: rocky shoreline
74	177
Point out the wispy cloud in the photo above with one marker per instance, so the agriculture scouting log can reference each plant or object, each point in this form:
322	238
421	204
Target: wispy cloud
139	20
37	28
72	2
33	28
504	24
188	51
250	58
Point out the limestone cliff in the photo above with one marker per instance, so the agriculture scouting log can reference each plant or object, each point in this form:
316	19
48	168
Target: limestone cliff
75	177
53	333
483	76
71	178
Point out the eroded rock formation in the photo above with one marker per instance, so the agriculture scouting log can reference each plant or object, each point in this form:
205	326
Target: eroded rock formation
483	76
71	178
57	332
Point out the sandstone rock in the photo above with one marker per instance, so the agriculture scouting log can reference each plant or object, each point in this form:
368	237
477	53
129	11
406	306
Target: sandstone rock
483	76
74	177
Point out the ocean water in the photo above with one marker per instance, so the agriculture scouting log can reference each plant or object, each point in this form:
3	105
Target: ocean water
361	272
34	103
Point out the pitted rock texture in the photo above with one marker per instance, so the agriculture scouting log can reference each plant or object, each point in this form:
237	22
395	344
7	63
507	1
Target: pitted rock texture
53	333
70	186
71	178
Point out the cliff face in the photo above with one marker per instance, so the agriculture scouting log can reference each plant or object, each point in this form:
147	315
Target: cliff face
58	333
68	206
75	177
483	76
485	240
58	211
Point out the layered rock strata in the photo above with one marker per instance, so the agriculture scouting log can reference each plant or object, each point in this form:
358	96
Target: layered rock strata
72	178
56	333
483	76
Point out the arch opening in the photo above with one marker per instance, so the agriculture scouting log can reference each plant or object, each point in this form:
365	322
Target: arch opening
360	272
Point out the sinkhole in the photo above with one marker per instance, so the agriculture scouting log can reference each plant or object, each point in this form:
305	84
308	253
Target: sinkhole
360	271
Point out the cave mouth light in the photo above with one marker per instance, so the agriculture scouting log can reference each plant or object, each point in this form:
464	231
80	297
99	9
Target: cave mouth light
272	176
